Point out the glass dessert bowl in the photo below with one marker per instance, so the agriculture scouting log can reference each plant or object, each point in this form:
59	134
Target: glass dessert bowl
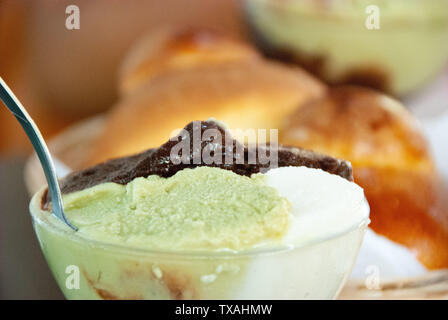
314	270
151	228
395	46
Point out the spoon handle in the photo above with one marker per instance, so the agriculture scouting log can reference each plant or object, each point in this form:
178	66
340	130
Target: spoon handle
33	133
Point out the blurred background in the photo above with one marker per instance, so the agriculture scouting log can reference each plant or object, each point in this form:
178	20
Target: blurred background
63	76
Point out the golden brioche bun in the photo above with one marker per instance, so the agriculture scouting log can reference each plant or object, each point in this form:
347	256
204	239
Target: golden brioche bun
410	208
366	127
244	91
391	161
174	49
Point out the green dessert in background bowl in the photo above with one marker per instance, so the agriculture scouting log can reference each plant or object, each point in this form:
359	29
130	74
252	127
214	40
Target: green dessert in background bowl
339	40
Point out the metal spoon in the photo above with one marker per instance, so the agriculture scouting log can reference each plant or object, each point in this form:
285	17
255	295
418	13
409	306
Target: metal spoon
33	133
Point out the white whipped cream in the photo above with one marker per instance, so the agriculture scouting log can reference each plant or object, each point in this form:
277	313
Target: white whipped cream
323	204
325	207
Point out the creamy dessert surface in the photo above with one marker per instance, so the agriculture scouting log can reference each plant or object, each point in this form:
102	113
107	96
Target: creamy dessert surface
215	209
201	208
147	201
